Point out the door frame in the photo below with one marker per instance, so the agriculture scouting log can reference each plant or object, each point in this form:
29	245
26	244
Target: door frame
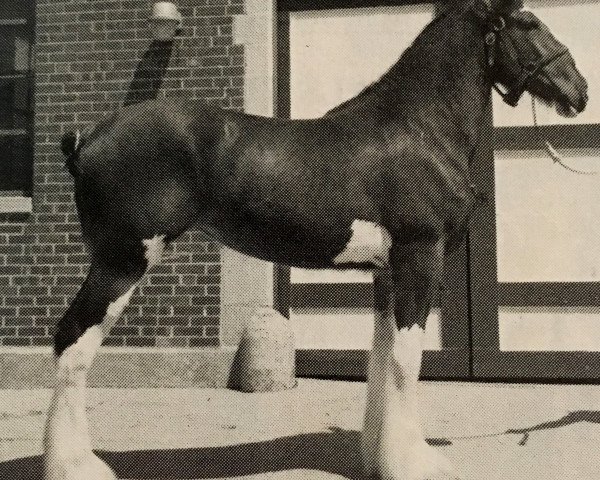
453	362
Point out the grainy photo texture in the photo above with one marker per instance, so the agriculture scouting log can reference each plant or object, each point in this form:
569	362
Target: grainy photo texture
299	239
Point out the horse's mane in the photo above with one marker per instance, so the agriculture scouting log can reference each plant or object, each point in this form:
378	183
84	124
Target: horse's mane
390	79
390	82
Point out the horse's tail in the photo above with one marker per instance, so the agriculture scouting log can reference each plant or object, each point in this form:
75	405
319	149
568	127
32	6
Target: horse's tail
70	146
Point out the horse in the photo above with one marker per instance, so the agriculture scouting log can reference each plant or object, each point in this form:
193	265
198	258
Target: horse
380	182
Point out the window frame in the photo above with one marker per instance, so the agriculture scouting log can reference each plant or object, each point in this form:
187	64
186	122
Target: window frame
15	195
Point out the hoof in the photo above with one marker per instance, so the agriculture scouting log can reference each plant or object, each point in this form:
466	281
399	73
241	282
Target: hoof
420	462
84	466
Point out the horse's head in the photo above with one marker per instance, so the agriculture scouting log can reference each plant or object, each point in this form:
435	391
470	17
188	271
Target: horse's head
527	57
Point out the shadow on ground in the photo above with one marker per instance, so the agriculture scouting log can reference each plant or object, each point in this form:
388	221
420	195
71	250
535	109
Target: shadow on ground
579	416
336	452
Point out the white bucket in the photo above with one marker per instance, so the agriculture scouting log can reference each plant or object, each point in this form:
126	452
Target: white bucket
165	11
265	359
165	20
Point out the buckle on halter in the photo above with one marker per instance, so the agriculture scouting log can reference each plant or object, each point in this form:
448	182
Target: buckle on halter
490	40
498	24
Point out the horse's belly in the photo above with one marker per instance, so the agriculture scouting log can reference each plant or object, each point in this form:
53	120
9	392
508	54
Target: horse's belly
308	245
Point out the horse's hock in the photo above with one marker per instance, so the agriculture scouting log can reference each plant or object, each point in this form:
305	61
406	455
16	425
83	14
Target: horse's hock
265	359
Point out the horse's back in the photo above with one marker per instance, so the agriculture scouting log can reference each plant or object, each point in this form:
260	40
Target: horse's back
159	166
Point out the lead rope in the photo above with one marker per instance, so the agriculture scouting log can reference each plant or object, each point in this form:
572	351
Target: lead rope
550	150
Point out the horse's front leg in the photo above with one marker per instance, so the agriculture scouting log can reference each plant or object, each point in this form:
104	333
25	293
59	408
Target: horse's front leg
394	446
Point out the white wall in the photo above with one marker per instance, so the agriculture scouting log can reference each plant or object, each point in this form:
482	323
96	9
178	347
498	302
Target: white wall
546	218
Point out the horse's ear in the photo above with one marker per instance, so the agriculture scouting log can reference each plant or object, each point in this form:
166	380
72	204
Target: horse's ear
505	6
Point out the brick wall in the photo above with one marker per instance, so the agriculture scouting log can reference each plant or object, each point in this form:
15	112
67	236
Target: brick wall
91	56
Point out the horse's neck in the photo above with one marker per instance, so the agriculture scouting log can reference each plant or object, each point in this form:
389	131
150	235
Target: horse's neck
439	86
442	80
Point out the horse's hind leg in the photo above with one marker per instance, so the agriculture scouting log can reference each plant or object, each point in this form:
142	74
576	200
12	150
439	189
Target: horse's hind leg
99	303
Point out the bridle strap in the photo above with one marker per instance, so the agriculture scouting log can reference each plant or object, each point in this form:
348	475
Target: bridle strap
515	92
526	71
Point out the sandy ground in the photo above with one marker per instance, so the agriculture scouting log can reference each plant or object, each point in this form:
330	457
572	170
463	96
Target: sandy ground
312	432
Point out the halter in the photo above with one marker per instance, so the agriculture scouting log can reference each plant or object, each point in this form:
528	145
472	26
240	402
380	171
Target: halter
518	87
527	71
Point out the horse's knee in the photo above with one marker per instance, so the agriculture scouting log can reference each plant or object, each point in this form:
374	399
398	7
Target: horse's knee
417	273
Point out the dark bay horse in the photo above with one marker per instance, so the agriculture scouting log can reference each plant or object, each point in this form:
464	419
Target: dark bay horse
381	182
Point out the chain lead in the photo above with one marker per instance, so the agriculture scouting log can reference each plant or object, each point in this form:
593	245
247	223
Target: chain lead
550	150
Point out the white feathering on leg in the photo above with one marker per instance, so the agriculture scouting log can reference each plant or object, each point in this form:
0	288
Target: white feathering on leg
67	444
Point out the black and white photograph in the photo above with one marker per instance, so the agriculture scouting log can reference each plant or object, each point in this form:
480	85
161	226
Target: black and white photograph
300	240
